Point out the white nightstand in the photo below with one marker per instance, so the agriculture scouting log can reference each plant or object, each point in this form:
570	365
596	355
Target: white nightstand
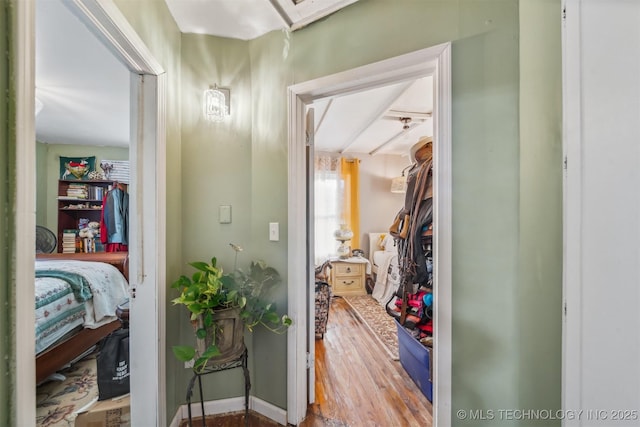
348	277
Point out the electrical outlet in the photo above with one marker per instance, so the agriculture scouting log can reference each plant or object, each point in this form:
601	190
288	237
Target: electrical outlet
188	364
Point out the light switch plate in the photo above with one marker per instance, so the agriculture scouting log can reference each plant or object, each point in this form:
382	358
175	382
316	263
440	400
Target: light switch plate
224	214
274	231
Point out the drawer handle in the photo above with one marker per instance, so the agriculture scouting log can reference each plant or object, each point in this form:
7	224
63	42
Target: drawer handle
348	269
347	283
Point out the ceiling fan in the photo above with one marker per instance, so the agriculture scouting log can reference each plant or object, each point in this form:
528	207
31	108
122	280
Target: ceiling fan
408	123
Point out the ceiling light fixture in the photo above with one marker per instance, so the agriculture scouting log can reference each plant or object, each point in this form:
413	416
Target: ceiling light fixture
216	104
405	123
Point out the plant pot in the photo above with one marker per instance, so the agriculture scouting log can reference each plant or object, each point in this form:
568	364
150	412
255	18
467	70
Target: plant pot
229	336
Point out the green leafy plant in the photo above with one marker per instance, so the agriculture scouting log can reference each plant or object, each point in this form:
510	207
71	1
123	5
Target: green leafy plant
210	290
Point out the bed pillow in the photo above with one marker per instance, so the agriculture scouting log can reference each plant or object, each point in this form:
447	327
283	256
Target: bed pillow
386	242
380	241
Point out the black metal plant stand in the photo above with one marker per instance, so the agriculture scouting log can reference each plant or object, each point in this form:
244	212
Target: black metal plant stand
237	363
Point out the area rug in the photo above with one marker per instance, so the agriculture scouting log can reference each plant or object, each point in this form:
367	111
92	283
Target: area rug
58	401
381	325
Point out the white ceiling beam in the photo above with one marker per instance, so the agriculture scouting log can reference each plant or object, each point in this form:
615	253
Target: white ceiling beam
324	114
286	20
413	114
384	108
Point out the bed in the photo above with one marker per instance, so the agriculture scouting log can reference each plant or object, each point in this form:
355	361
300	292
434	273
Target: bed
383	256
76	300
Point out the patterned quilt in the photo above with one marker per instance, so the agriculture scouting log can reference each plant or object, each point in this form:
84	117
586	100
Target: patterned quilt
74	293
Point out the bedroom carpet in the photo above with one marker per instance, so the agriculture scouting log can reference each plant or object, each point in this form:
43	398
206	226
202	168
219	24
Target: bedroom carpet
381	325
58	401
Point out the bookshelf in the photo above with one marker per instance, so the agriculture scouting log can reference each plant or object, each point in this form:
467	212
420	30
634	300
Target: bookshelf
79	203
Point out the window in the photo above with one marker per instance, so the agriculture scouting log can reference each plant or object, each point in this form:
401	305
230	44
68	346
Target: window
328	191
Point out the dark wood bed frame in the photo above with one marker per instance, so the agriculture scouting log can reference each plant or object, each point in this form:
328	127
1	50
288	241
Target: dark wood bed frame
61	354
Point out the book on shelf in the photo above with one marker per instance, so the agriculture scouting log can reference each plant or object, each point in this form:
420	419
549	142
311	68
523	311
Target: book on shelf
77	190
69	241
96	192
83	191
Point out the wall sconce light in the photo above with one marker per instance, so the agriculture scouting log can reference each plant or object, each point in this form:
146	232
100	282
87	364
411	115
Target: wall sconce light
399	183
216	104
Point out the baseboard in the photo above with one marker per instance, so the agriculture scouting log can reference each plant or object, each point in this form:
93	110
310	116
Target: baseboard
234	404
268	410
175	422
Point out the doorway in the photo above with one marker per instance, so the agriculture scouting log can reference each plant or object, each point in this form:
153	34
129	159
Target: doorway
435	61
147	196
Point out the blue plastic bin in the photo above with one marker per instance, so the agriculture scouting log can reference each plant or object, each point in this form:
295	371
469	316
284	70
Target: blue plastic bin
414	358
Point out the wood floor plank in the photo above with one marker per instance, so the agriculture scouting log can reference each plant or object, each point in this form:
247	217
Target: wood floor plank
357	384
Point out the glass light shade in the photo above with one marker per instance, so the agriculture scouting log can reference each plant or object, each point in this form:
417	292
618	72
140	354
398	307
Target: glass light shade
343	234
399	184
214	105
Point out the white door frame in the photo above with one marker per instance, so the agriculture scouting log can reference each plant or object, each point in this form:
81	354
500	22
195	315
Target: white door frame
572	206
434	61
600	86
148	189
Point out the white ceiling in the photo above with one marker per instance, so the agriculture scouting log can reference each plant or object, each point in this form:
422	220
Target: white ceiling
370	122
204	17
85	90
248	19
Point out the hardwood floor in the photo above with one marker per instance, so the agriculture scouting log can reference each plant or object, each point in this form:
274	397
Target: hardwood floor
357	383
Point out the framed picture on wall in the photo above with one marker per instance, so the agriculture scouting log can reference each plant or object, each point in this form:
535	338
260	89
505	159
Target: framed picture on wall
76	168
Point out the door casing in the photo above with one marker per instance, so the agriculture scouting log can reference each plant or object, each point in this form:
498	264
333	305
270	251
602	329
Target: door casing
148	192
434	61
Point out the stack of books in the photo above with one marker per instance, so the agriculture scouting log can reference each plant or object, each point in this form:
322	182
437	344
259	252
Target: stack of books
77	191
69	241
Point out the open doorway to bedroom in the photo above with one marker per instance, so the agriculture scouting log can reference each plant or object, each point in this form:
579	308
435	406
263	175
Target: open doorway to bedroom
83	133
362	158
428	62
146	91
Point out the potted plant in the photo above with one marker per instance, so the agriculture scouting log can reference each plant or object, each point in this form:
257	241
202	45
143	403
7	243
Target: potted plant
222	306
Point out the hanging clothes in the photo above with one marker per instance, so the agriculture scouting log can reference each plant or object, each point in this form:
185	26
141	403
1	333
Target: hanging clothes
114	220
408	228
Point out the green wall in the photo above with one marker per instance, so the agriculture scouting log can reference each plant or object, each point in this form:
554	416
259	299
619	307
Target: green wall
506	177
539	297
485	371
48	173
494	191
42	187
6	353
157	29
506	169
271	72
216	170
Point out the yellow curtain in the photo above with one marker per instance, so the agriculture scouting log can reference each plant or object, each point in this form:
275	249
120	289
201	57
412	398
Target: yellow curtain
351	210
